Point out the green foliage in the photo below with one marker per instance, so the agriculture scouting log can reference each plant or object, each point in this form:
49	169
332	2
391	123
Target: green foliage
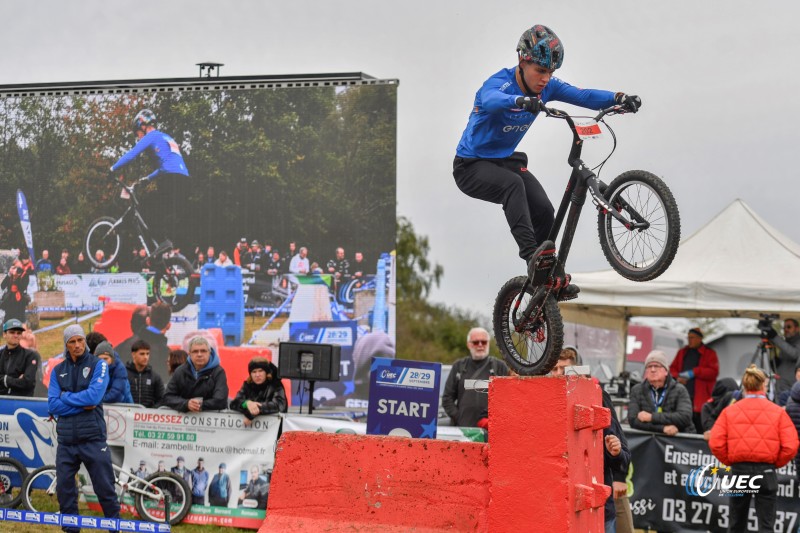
312	164
425	331
415	273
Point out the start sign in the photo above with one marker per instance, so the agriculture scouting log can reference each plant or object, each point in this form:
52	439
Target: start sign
403	398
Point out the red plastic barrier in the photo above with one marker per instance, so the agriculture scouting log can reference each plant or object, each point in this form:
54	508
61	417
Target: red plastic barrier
336	483
546	455
115	322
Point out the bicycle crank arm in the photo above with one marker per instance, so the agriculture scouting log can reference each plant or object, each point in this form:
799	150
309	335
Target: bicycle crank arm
638	223
536	300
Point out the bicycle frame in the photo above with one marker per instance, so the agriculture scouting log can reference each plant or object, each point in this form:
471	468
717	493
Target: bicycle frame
142	229
129	485
581	181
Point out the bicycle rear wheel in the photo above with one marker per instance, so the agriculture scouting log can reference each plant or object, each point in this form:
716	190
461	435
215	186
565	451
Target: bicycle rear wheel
102	235
12	476
150	505
640	254
174	282
39	490
533	347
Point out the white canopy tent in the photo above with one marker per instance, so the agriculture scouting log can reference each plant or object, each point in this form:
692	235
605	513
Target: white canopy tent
737	265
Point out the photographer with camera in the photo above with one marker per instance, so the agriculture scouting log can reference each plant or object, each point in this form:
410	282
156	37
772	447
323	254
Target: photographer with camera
788	346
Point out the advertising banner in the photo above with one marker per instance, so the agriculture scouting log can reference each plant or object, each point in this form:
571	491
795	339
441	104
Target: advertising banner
85	290
227	464
663	483
403	398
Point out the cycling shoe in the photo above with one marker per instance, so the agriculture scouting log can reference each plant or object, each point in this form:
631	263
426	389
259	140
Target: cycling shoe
570	292
542	258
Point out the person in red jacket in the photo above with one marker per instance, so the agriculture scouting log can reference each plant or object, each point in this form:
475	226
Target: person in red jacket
754	437
696	367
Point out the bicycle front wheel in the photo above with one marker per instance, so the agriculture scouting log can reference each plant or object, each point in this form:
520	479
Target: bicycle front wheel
640	254
174	282
12	476
532	347
150	505
39	490
102	235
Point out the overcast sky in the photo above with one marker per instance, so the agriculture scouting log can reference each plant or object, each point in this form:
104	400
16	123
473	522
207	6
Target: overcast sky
718	80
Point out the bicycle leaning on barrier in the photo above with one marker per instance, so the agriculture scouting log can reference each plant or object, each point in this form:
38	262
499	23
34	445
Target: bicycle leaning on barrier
149	494
639	228
174	279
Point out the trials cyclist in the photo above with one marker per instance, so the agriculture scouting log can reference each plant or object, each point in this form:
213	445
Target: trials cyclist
170	169
486	165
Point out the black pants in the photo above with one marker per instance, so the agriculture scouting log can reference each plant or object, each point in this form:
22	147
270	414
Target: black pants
166	210
96	457
766	499
507	181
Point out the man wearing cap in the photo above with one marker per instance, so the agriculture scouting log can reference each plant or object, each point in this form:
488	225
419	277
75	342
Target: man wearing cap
219	491
240	251
142	472
659	403
696	367
180	470
18	365
75	395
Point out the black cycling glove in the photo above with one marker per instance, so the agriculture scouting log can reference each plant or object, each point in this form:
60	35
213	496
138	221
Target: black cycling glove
532	105
631	102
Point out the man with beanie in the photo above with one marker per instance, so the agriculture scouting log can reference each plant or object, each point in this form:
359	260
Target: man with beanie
74	398
659	403
696	367
18	365
119	389
470	408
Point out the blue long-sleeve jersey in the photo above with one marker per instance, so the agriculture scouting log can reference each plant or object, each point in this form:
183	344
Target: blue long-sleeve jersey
164	150
75	385
496	125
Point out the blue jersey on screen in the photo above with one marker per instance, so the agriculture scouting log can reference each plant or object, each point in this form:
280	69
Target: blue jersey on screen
164	151
496	126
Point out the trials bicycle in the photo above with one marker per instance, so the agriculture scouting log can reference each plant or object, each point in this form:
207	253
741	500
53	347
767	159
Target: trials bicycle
12	476
174	279
639	227
39	492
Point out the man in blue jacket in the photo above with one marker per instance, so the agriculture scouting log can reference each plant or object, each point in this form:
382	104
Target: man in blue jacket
75	395
487	167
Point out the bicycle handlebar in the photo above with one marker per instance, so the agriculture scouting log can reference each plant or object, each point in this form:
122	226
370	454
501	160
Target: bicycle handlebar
615	109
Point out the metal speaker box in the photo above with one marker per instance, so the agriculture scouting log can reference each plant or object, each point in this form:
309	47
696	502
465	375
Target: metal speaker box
309	361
